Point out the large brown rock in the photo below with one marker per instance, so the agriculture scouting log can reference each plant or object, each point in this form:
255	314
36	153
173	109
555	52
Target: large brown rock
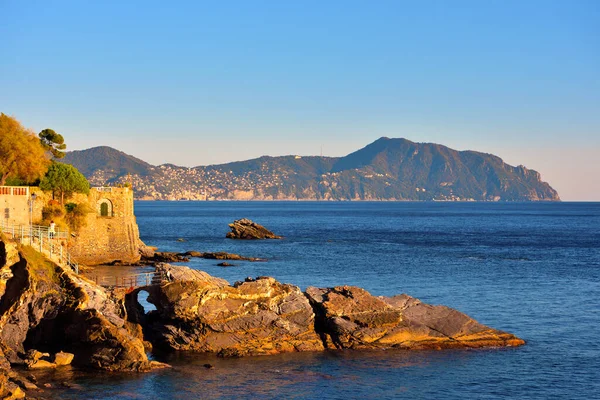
349	317
198	312
52	309
201	313
246	229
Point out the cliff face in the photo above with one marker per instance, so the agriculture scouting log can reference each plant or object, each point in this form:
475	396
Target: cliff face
48	308
387	169
45	308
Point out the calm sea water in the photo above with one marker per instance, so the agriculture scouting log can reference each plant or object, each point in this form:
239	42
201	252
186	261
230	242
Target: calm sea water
532	269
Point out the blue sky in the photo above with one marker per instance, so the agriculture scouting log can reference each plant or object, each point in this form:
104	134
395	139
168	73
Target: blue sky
196	83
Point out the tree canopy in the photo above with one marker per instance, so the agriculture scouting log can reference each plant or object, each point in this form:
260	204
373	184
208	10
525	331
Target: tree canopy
53	142
22	156
64	180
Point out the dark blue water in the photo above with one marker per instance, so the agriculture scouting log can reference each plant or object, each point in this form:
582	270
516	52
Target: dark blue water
532	269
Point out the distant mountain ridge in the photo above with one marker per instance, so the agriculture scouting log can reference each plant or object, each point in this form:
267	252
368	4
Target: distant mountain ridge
387	169
107	159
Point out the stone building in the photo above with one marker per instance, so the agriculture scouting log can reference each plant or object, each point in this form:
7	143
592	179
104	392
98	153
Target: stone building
15	205
110	232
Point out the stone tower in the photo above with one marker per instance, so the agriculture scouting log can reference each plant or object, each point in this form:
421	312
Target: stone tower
111	232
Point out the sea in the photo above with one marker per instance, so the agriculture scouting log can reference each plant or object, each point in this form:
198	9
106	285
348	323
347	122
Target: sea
532	269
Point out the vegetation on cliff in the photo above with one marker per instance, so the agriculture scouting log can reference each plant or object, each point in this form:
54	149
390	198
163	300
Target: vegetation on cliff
51	309
387	169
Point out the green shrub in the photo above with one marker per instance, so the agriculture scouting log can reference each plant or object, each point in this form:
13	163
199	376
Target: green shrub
75	216
53	210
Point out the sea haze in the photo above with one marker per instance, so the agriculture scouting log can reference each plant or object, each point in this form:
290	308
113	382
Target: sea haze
532	269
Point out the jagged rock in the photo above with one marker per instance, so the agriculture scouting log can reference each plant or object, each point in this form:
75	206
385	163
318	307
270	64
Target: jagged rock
35	360
10	390
10	385
166	257
62	358
39	364
228	256
193	253
147	251
251	318
34	355
350	317
9	255
52	309
24	382
246	229
183	274
169	257
195	311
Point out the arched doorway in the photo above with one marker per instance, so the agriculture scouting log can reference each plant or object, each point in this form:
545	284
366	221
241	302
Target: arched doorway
105	208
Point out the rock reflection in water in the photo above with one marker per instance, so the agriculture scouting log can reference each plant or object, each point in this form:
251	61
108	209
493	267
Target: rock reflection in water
327	375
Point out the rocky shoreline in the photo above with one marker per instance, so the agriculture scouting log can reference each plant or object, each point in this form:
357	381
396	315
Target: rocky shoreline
199	312
48	313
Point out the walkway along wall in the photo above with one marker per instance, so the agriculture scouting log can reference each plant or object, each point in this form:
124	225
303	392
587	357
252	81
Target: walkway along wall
111	232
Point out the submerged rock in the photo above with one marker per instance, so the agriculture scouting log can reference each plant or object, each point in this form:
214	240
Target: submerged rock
169	257
247	229
227	256
225	264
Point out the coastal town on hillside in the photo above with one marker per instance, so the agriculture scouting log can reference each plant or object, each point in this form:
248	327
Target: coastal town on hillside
175	183
171	182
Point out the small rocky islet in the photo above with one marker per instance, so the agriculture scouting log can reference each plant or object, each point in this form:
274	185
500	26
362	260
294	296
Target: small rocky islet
247	229
49	313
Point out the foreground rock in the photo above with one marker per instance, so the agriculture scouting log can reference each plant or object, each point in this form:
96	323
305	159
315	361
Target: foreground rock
256	317
246	229
351	318
52	310
198	312
37	360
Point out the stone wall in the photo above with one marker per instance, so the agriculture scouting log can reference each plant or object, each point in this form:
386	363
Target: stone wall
111	232
14	205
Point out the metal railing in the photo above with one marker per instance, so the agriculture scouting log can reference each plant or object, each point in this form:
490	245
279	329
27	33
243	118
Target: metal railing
127	281
32	231
42	240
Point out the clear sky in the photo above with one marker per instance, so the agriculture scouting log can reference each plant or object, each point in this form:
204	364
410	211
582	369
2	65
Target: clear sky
196	83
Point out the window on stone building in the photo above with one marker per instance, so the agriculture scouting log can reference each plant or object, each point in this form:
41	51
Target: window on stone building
7	213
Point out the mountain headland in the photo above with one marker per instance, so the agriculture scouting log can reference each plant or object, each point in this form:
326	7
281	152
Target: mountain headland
387	169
